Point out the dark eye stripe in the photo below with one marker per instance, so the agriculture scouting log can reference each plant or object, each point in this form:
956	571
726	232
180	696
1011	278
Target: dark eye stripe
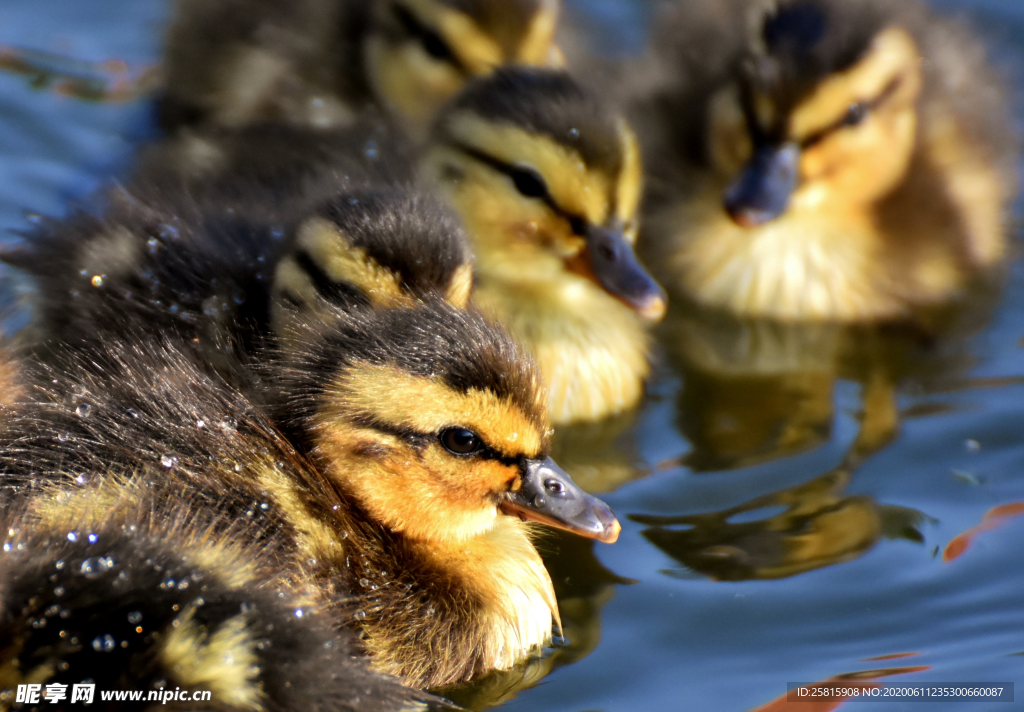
339	293
863	109
525	178
433	44
414	438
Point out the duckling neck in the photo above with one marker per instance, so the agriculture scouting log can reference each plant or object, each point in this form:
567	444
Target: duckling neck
515	601
436	613
591	349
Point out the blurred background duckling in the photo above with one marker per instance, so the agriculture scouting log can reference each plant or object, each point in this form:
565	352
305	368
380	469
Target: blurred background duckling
226	284
546	179
428	443
318	62
822	159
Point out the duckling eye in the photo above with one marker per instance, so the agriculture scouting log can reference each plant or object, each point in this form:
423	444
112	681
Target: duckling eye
460	441
855	114
528	183
578	226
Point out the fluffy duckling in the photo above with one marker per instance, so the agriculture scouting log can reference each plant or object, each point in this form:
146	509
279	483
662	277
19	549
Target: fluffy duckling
428	444
823	159
317	62
173	605
227	284
546	179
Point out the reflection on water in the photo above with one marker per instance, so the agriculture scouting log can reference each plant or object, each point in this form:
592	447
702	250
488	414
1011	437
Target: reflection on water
755	390
109	81
994	518
818	525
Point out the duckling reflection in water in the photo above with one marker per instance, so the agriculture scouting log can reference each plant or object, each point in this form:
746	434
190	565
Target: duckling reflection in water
756	390
819	526
318	62
845	159
546	179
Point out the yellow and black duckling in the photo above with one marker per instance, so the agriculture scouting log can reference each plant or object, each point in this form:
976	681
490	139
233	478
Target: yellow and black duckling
318	62
228	284
546	179
427	439
823	159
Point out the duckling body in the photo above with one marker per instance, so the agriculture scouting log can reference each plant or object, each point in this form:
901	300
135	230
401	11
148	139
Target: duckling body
427	443
171	607
842	160
319	62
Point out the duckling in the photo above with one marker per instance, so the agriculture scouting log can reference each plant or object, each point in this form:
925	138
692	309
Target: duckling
410	520
227	284
318	62
171	607
546	179
823	159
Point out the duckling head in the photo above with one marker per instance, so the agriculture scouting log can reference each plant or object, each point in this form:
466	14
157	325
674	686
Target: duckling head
823	113
379	247
440	424
421	52
547	181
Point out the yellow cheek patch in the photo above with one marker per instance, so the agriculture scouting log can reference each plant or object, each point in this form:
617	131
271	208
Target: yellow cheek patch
427	405
332	251
631	178
497	217
425	493
538	41
460	287
893	54
477	52
574	186
728	135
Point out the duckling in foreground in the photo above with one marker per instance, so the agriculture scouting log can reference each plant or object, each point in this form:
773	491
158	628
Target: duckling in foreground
318	62
844	159
428	443
546	179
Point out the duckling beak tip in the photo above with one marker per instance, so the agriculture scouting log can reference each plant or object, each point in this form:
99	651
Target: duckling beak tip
654	309
611	534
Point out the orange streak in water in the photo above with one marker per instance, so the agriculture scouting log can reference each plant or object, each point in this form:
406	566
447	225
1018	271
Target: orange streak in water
893	656
993	518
